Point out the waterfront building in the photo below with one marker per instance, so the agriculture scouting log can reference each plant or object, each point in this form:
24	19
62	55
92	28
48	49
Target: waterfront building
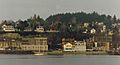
3	44
10	44
103	42
42	42
89	45
116	41
101	46
68	45
37	44
80	46
105	46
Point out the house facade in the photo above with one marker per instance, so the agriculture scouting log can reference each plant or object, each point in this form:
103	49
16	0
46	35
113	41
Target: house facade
68	45
80	46
8	28
39	29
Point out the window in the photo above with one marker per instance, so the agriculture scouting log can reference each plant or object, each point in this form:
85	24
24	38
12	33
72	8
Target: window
68	48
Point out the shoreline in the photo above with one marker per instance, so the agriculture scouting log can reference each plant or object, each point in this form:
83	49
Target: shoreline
56	53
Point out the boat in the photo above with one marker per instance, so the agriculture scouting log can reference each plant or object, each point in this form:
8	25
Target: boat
39	54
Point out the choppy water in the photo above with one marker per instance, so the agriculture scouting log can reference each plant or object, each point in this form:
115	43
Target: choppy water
59	60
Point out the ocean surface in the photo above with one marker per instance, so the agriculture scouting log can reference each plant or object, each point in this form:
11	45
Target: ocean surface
59	60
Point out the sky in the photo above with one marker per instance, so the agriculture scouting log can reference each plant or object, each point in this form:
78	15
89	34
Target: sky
23	9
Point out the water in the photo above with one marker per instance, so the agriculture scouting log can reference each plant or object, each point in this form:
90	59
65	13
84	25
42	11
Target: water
59	60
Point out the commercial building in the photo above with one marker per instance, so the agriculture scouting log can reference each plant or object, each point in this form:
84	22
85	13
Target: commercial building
37	44
10	44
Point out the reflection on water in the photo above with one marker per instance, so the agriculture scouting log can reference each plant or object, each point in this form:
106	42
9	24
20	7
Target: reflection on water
59	60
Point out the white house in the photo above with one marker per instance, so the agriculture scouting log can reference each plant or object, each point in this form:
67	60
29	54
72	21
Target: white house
39	29
86	24
68	44
68	47
103	28
92	31
80	46
8	28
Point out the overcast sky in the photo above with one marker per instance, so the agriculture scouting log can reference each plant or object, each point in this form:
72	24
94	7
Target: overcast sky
23	9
